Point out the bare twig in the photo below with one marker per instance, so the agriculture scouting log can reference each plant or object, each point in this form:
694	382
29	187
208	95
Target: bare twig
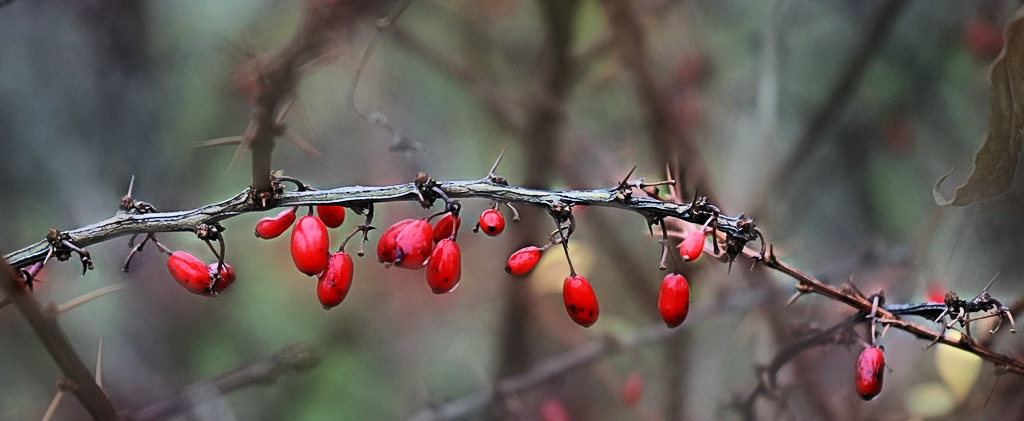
85	298
293	359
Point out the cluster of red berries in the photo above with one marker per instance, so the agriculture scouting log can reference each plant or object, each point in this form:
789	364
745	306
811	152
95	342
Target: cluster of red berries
309	248
581	301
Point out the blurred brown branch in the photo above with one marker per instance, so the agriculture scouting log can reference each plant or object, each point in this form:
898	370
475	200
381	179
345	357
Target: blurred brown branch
293	359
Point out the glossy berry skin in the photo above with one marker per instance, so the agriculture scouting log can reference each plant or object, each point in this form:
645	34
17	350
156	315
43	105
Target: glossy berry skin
309	245
632	389
580	300
674	299
407	244
444	269
335	281
692	246
553	410
332	216
523	261
273	226
227	276
189	272
492	222
870	368
445	227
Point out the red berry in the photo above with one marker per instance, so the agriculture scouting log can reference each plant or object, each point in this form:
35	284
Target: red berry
674	299
692	245
227	276
332	216
553	410
189	271
983	37
309	245
445	227
272	227
633	389
492	222
444	269
523	261
870	368
336	280
406	244
580	300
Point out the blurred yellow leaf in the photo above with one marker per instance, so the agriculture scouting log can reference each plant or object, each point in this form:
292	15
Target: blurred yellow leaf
550	273
959	369
928	400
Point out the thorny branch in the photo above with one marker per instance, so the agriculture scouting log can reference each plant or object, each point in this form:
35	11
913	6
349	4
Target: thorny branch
122	223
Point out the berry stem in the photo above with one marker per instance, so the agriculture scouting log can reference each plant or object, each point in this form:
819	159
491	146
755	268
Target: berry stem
565	243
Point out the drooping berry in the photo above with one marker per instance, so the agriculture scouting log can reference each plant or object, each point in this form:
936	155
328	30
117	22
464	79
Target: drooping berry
406	244
331	215
227	276
445	227
523	261
870	368
553	410
633	389
309	245
189	272
674	299
492	222
444	269
692	245
580	300
273	226
335	281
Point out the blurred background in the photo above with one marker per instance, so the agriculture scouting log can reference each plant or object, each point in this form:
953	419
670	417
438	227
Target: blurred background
828	122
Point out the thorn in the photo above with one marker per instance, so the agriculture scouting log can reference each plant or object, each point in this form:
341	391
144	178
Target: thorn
794	298
85	298
496	161
220	141
53	405
131	184
99	365
305	146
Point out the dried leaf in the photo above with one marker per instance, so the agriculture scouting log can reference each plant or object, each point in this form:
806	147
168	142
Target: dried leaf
996	161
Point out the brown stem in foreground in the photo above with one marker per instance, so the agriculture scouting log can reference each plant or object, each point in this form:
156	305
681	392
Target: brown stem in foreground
44	323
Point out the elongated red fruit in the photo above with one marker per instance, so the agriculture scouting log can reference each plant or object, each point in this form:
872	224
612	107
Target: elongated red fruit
492	222
870	368
273	226
692	245
309	245
580	300
227	277
523	261
674	299
189	272
407	244
444	269
331	215
336	280
445	227
633	389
